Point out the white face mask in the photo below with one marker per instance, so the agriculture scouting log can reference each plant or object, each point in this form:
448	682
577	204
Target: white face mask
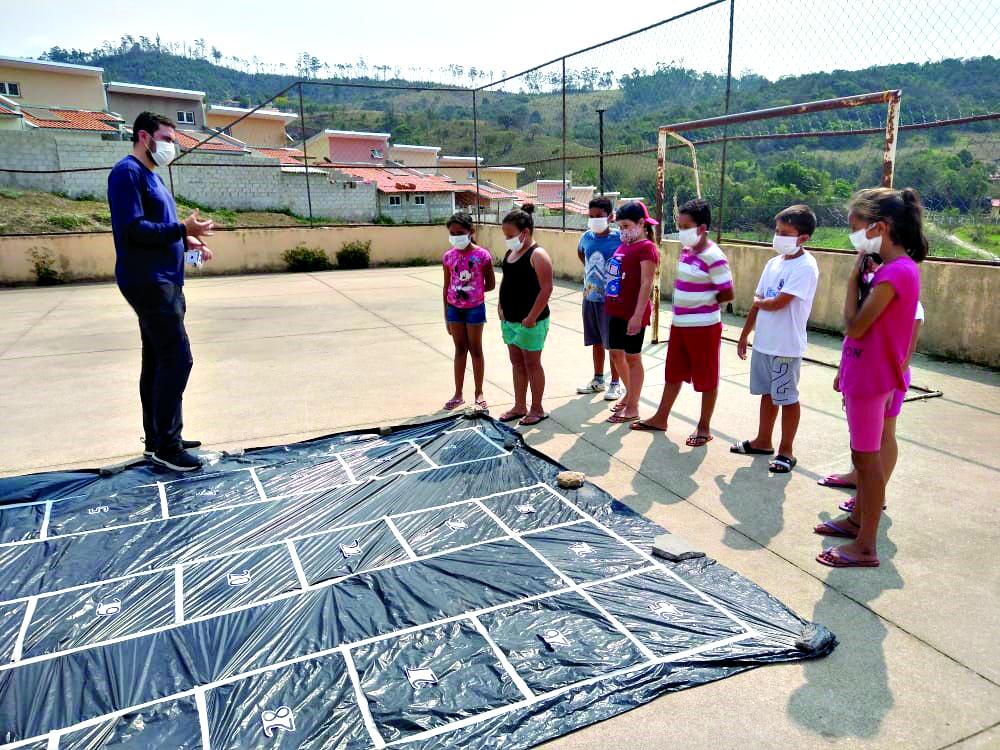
164	154
633	234
863	243
598	225
688	237
785	245
459	241
514	243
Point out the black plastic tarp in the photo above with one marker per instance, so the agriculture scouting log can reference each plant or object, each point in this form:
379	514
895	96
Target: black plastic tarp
428	587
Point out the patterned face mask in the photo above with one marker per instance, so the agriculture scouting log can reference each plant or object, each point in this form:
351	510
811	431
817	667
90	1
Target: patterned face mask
634	234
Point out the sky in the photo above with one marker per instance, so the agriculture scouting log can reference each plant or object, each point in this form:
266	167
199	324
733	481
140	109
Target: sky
771	38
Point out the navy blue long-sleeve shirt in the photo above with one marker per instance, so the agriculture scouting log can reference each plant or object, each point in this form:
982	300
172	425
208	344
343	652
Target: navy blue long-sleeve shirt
149	240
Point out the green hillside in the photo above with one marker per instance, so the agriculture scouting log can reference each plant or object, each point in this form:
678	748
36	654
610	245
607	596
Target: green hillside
951	166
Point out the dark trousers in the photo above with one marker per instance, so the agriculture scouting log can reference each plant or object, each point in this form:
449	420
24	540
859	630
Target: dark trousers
166	361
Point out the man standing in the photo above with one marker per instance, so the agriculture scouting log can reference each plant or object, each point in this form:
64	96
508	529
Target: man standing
150	244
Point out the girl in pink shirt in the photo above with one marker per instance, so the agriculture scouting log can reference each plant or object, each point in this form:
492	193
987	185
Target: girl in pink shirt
876	349
468	276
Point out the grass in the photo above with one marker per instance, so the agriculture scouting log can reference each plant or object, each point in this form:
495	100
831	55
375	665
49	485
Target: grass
33	212
986	236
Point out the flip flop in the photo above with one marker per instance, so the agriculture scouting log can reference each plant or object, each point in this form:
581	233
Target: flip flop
481	404
644	426
836	482
511	416
833	528
697	441
619	419
453	403
530	419
848	506
782	464
745	449
616	407
833	557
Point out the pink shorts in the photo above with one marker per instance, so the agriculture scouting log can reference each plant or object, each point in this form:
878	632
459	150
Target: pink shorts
866	418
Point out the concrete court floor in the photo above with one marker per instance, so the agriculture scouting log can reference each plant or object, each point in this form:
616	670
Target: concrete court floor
284	357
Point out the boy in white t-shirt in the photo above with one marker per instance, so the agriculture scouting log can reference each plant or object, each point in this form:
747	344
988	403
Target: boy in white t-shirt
780	311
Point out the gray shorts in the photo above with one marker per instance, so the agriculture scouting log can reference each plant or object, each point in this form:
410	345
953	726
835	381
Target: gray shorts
595	324
777	377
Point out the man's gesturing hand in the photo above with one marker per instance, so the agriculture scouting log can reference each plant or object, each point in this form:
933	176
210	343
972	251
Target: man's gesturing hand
198	227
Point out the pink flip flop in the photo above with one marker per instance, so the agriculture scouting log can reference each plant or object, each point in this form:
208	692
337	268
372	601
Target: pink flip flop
832	480
848	505
833	528
453	403
833	557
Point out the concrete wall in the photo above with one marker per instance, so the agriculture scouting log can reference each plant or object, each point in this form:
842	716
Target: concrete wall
50	88
963	320
218	187
130	105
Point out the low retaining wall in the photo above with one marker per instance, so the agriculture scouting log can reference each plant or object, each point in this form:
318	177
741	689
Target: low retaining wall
963	319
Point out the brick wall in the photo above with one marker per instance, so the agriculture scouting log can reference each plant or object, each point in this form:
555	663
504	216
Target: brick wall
230	187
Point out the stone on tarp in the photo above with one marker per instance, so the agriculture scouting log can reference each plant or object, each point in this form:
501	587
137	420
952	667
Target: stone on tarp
384	431
570	480
673	547
474	412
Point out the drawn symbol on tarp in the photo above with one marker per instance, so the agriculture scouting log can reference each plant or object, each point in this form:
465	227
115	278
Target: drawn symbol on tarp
98	509
554	638
664	609
351	550
421	677
109	607
526	508
581	549
239	579
456	525
280	719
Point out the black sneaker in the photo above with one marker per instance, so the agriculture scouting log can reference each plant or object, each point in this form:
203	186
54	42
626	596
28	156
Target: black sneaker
185	444
179	460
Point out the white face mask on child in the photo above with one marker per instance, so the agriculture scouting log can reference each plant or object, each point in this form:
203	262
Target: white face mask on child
785	245
688	237
598	225
862	242
459	241
514	243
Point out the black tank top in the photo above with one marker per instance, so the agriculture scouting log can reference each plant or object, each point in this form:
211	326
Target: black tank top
519	288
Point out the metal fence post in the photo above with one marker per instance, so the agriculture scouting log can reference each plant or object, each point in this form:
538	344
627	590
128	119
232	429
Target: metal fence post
305	153
600	129
891	136
564	186
475	154
725	130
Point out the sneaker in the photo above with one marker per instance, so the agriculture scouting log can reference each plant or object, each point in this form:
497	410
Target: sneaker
594	386
615	392
185	444
179	460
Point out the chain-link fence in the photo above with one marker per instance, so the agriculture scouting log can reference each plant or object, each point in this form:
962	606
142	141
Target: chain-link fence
586	123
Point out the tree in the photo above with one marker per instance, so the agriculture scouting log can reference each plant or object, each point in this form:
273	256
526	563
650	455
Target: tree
216	54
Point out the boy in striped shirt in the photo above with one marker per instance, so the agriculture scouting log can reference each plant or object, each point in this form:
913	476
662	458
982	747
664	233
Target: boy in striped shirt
703	282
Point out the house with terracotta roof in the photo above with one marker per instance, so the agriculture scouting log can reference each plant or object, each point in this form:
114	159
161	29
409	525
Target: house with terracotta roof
424	158
60	120
463	169
264	127
349	147
46	84
183	106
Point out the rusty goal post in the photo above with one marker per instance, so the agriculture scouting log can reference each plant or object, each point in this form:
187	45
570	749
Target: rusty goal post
668	133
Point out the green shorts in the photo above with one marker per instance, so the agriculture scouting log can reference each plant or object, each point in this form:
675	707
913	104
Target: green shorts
529	339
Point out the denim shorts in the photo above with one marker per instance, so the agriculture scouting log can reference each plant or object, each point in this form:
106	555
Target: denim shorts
472	316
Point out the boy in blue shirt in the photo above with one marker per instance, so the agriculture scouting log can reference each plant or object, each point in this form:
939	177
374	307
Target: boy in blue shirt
596	247
150	244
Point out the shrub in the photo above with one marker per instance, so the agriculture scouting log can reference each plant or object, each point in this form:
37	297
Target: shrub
302	258
10	194
68	221
101	217
356	254
43	265
383	219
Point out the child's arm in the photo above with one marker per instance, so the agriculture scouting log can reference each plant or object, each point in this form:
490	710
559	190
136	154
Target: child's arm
489	278
913	341
648	268
719	273
780	302
447	283
542	264
748	326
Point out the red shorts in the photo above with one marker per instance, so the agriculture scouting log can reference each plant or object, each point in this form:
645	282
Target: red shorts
693	356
